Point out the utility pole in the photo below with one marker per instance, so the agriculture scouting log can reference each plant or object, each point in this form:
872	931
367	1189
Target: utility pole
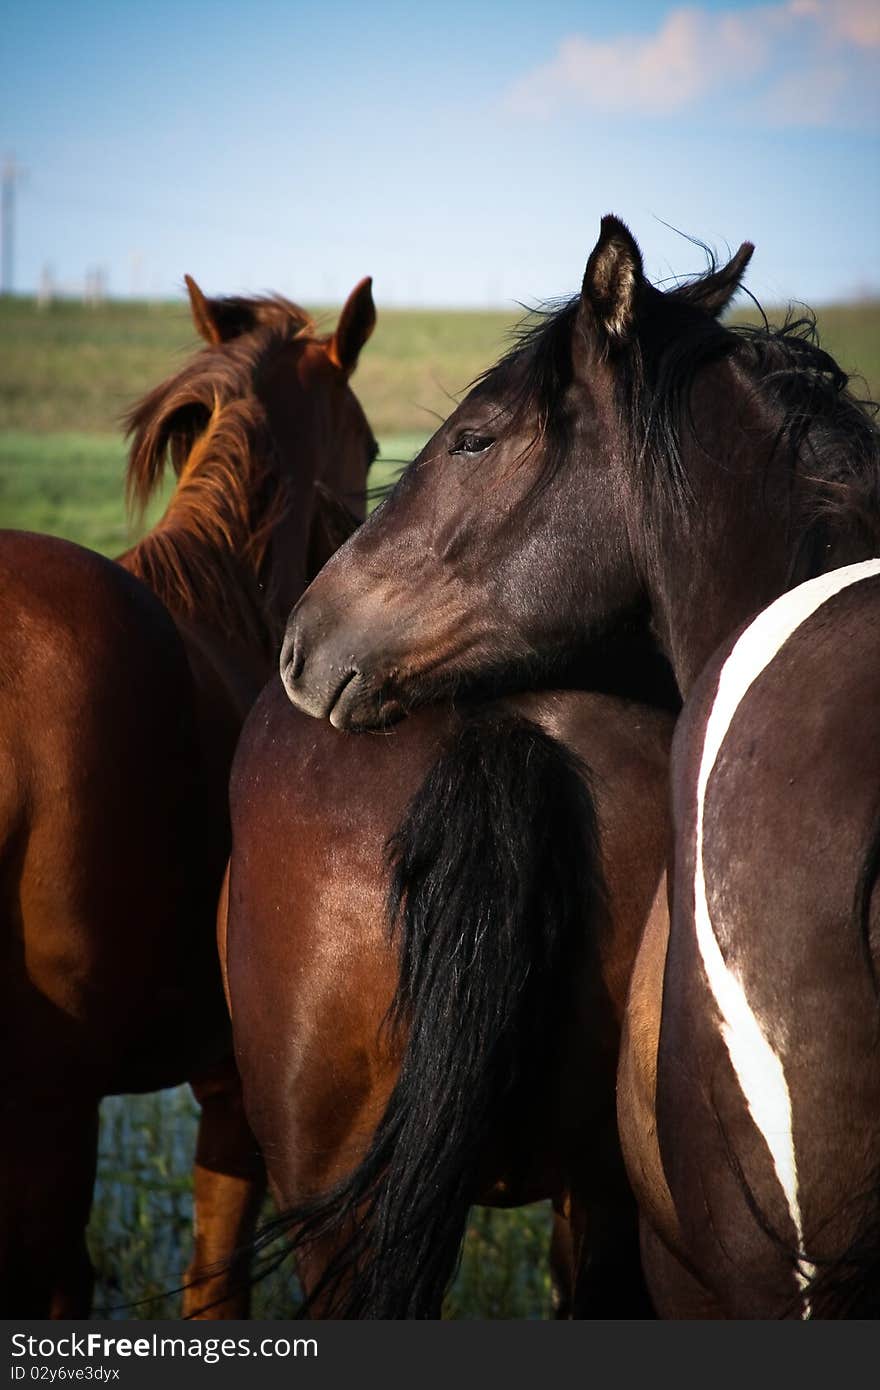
12	172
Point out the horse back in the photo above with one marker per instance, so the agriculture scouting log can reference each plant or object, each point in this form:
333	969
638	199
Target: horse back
311	966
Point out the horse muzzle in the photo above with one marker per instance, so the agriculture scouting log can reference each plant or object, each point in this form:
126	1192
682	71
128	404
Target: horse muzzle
324	677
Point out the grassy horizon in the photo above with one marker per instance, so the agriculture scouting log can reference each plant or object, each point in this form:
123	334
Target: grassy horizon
69	372
68	367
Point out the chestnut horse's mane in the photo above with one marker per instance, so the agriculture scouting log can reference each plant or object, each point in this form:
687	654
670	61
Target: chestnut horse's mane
208	553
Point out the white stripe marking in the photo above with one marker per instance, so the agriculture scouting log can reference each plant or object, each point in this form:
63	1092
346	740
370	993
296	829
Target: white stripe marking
758	1068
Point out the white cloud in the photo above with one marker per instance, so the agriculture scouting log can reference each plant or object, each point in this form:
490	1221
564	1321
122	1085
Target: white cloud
851	21
803	61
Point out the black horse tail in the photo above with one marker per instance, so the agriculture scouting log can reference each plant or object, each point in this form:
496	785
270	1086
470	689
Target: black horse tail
496	880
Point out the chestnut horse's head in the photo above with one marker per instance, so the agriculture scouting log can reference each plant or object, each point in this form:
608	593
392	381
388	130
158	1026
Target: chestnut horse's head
264	431
514	533
300	378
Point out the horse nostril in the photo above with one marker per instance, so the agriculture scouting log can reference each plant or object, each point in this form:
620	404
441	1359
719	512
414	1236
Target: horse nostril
293	657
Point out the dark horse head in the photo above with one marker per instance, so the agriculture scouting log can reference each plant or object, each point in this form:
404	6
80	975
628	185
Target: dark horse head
631	459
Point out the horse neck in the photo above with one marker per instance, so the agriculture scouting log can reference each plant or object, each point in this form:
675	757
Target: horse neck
741	541
228	566
699	601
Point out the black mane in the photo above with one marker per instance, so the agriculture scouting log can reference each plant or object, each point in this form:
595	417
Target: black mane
826	431
829	433
539	362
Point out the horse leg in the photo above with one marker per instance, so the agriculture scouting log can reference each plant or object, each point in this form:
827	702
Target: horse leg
609	1279
47	1178
228	1188
676	1292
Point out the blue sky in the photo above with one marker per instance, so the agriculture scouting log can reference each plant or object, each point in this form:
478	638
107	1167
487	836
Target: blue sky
460	153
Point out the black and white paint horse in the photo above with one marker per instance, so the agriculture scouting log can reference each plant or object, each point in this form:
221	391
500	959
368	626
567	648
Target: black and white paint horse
768	1072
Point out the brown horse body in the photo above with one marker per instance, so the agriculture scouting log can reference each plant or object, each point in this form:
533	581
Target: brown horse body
102	859
312	971
117	726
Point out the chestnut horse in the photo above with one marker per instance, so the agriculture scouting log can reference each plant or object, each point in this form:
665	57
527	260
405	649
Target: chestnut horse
468	1054
632	459
123	690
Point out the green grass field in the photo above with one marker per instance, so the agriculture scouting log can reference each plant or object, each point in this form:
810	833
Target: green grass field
67	374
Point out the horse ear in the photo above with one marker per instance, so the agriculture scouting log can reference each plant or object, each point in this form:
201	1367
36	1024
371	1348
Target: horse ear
612	280
356	323
202	312
218	320
713	292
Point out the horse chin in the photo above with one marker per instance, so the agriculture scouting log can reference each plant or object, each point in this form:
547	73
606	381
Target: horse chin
309	700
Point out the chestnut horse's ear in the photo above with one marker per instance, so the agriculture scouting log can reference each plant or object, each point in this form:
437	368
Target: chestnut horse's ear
356	323
218	320
613	279
203	317
713	292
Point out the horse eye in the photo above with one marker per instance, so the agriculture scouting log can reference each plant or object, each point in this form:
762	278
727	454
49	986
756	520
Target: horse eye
473	444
